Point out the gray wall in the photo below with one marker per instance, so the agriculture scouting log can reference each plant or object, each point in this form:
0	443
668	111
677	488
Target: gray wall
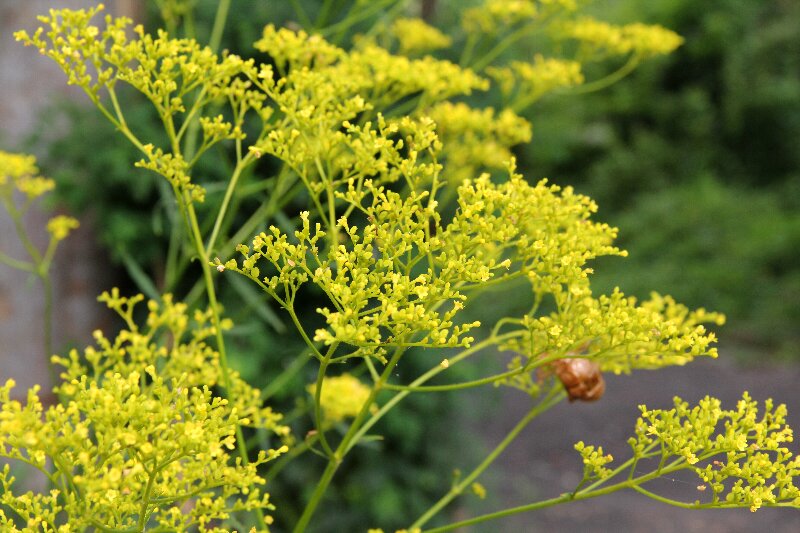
27	83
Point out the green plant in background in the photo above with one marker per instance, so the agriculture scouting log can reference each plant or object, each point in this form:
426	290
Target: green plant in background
362	188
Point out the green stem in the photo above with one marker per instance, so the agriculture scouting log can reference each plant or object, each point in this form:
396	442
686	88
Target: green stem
611	79
40	267
279	381
386	407
197	238
555	395
323	367
213	43
459	386
142	523
48	325
219	24
563	498
301	14
16	218
345	445
501	46
241	165
287	458
16	263
469	47
324	13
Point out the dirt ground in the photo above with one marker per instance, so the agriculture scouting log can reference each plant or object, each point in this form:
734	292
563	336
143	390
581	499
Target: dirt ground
542	464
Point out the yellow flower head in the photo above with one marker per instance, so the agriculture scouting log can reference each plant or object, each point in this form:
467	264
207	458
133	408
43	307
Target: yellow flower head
22	170
416	36
341	397
60	226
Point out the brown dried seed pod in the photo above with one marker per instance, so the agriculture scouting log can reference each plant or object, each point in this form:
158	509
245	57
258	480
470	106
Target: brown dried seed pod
581	377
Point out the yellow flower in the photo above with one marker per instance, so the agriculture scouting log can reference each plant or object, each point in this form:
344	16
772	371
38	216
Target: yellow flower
341	397
60	226
416	36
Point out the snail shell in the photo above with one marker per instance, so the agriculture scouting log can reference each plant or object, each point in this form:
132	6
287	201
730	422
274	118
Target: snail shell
581	377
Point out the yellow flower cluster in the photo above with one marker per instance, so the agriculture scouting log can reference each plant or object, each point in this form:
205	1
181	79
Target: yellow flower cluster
294	50
475	139
174	168
528	81
24	176
618	333
392	276
637	38
124	456
178	76
60	226
740	455
415	36
341	397
493	14
18	172
130	446
594	461
186	357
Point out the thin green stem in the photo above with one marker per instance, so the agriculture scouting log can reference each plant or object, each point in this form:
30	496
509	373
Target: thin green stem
197	238
142	523
469	47
285	459
555	395
386	407
301	14
219	24
278	382
16	218
459	386
323	367
611	79
214	40
48	325
324	13
16	263
237	172
345	445
501	46
563	498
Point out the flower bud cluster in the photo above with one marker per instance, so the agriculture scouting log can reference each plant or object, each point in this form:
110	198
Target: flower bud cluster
607	39
739	455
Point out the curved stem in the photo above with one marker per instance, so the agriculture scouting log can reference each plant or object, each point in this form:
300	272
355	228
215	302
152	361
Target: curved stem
213	43
241	165
142	523
611	79
48	325
348	441
386	407
555	395
501	46
323	367
460	386
563	498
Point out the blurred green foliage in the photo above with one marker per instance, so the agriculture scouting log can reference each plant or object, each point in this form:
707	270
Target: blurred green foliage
695	157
